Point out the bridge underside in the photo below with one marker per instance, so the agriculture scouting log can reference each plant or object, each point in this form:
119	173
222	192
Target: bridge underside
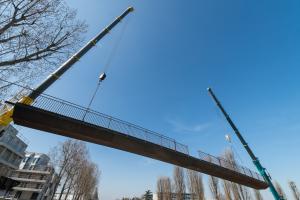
44	120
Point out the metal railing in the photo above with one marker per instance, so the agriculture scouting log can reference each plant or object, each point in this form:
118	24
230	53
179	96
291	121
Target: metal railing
229	165
75	111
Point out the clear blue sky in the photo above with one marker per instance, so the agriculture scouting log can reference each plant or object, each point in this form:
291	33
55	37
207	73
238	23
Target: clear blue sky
248	51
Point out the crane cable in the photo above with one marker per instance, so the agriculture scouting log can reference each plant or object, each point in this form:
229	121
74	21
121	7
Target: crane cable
230	140
107	65
115	47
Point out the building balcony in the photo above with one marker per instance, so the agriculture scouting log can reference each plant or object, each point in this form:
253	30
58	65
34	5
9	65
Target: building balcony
29	180
27	189
36	170
12	148
9	164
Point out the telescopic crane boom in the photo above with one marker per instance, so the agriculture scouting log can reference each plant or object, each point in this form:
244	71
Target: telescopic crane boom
5	118
255	160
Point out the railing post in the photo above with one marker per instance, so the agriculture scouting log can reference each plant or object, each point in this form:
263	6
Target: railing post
175	145
219	162
61	106
243	170
129	130
251	173
145	135
109	120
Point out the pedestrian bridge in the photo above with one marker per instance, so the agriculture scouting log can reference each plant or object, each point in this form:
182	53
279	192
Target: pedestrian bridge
60	117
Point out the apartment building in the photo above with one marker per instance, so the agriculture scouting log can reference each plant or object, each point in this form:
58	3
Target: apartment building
12	151
37	178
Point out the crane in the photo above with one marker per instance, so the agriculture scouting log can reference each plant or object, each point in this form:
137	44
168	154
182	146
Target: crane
6	117
255	160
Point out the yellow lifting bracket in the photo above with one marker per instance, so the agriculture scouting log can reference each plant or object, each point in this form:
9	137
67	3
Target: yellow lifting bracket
6	116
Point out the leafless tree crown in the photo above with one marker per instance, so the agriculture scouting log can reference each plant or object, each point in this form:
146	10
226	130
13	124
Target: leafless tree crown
239	192
77	175
280	190
36	36
215	188
295	190
179	182
258	195
195	184
164	188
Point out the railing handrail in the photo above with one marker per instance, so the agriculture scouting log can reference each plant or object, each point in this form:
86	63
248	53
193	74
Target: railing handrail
183	148
110	117
231	164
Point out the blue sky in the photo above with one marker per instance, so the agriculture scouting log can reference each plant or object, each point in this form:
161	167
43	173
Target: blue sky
171	51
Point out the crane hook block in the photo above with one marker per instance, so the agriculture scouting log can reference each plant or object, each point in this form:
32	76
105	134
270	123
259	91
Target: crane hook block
102	77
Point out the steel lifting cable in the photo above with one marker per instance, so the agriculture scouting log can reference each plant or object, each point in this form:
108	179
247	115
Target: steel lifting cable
93	97
235	151
106	66
229	138
115	47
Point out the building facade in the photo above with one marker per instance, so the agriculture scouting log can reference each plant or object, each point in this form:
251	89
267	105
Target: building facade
12	151
37	178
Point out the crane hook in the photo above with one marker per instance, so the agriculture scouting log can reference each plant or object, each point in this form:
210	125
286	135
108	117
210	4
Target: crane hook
102	77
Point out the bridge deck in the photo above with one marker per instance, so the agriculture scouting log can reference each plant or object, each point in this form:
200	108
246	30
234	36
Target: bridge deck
63	118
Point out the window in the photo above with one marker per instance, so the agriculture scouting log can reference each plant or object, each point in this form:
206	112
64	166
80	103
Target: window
7	154
34	196
35	160
25	159
22	185
18	194
2	133
1	149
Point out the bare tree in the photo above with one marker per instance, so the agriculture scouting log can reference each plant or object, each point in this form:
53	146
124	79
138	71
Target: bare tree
295	190
239	192
257	195
160	188
215	188
227	190
66	159
35	36
179	182
235	191
280	190
86	182
72	170
195	184
164	188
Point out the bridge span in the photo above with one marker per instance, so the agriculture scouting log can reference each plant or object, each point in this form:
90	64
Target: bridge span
60	117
